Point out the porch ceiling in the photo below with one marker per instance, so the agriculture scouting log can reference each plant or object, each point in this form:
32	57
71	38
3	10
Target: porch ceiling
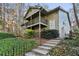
36	25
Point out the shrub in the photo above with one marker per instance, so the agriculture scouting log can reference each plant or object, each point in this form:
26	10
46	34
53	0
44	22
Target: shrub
66	38
72	43
49	34
74	34
63	50
14	46
74	40
68	47
29	33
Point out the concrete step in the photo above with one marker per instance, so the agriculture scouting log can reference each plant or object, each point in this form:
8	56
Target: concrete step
54	40
45	47
43	52
32	54
49	45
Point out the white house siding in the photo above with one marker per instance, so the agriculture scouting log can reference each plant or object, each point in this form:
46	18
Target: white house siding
64	27
52	24
53	21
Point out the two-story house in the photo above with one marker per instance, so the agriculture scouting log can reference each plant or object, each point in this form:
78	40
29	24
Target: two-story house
39	18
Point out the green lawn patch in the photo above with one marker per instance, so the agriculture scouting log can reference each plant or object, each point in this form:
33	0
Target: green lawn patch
4	35
12	46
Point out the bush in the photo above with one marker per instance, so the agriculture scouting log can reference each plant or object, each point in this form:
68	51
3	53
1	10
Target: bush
15	47
75	34
68	47
72	43
74	40
66	38
63	50
29	33
49	34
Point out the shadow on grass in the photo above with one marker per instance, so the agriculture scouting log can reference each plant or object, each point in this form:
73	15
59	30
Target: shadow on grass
6	35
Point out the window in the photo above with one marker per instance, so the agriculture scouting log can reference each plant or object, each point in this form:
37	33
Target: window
63	23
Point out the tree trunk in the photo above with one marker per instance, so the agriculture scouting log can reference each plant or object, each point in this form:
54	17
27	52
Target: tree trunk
75	14
3	15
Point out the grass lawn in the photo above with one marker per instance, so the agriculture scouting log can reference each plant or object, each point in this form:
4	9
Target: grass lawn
12	46
6	35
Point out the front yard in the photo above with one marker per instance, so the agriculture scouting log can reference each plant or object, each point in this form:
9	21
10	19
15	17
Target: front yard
12	46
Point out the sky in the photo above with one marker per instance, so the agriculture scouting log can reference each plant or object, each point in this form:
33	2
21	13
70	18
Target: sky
66	6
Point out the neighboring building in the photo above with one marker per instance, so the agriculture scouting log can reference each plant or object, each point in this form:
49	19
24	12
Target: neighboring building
39	18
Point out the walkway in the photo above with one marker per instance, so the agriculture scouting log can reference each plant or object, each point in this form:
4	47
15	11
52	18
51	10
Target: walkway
44	49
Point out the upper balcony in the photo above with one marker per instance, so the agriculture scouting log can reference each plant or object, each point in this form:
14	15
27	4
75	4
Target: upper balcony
33	15
35	22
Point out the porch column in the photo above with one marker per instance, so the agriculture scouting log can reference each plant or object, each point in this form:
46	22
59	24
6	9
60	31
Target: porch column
31	21
40	25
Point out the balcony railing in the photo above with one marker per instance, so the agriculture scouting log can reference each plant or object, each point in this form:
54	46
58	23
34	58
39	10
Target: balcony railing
34	21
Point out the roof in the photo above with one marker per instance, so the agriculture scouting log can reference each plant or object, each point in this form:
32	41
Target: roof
46	12
57	9
32	7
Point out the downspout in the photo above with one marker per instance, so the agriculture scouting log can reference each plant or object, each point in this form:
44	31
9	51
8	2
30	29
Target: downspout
69	19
